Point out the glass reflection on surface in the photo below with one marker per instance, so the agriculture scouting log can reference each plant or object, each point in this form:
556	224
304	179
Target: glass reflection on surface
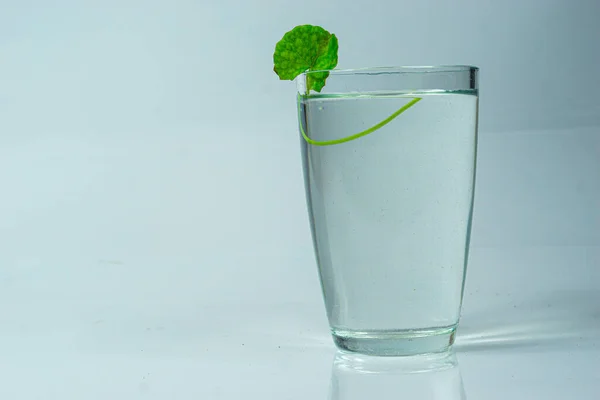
424	377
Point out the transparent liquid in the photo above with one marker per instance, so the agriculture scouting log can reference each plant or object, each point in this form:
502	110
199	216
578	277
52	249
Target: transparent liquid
390	212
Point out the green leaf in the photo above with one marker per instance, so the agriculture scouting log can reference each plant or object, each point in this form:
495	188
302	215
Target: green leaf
306	48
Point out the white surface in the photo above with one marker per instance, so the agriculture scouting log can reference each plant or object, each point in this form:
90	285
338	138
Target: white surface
519	339
153	234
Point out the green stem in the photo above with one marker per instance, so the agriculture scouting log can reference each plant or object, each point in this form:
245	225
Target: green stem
363	133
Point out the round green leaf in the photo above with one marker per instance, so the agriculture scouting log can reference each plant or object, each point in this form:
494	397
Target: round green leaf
306	48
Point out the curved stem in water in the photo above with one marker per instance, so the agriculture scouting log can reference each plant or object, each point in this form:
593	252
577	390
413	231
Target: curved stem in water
363	133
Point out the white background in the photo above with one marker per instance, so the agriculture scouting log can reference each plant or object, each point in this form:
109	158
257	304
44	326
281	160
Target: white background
153	232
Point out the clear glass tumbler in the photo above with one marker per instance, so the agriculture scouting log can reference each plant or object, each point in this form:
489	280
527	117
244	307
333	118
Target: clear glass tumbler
389	166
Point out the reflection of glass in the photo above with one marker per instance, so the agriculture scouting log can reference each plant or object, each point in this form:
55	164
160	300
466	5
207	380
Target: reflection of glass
389	165
423	377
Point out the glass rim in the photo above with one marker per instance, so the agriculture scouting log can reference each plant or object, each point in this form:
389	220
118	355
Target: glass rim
422	69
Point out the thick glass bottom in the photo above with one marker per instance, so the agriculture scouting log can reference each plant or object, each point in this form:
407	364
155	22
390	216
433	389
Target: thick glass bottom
395	343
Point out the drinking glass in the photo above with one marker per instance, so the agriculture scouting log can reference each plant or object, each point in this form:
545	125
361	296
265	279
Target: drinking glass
389	170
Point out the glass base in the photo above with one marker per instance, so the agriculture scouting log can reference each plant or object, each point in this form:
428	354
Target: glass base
396	343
